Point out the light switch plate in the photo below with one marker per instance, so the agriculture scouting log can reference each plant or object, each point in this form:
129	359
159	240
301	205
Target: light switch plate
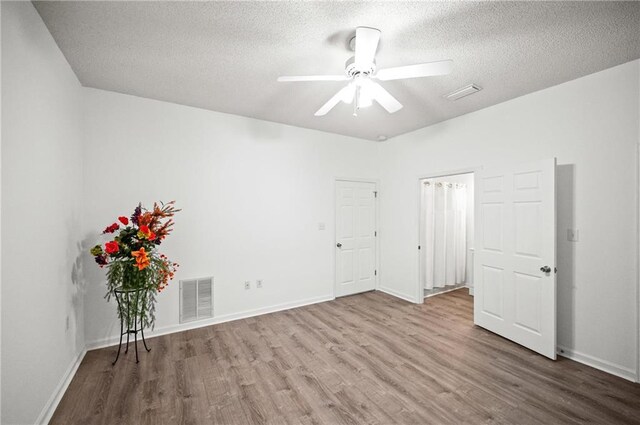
573	235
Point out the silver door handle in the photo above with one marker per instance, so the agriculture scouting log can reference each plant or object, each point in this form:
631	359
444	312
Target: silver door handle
339	245
545	269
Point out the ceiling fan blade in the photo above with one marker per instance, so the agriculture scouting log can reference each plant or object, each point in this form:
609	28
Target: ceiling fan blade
312	78
383	97
333	101
366	44
414	71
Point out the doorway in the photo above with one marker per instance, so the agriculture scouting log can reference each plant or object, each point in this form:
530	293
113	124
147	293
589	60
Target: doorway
512	244
446	233
356	233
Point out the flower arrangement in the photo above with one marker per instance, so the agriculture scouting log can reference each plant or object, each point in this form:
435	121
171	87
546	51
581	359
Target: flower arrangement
132	256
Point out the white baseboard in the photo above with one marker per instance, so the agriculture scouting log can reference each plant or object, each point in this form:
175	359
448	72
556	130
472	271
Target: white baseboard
470	290
107	342
444	292
596	363
396	294
54	400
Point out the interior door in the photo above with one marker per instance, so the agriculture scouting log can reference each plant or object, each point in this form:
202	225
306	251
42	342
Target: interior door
355	237
515	255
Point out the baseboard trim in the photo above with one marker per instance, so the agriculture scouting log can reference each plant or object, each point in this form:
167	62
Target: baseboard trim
444	292
396	294
54	400
597	363
114	340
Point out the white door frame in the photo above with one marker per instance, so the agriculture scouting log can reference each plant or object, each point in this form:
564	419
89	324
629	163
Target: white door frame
376	182
637	262
419	293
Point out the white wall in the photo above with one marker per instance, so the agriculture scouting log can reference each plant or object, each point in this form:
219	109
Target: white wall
41	189
252	194
591	126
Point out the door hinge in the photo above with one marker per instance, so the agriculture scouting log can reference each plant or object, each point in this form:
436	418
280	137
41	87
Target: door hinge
375	193
375	233
418	246
375	272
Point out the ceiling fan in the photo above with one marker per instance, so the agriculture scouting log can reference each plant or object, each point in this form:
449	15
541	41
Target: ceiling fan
361	72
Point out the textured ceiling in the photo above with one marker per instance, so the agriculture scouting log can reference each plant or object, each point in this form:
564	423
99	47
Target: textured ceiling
226	56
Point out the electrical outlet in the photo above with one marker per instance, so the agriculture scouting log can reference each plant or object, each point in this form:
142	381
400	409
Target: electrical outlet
259	283
247	284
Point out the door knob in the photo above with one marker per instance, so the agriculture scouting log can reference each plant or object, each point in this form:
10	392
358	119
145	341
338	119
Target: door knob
545	269
339	245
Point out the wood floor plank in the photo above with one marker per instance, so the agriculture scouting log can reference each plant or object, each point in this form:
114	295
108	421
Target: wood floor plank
364	359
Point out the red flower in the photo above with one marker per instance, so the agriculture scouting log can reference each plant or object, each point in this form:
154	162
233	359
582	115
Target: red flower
112	228
124	220
111	247
145	232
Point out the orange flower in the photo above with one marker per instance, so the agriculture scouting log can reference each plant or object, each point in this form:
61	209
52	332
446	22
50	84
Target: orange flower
145	219
142	260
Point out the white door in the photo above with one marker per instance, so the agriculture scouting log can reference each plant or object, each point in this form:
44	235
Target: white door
355	237
515	254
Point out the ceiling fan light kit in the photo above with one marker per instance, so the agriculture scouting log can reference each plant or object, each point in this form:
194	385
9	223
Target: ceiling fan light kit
361	72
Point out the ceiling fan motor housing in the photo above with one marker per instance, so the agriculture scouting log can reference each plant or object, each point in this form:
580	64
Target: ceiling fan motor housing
352	71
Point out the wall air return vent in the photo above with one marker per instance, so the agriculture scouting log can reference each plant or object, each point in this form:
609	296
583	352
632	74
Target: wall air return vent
196	299
464	91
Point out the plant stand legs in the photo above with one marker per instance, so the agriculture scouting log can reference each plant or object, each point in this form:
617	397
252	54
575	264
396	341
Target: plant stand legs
143	341
135	334
121	326
124	297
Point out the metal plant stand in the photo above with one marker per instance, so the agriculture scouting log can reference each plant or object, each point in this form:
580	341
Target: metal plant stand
129	302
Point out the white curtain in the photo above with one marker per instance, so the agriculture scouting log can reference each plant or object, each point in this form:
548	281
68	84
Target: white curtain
444	234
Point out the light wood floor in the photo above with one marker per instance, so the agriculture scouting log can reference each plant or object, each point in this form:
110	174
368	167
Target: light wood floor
364	359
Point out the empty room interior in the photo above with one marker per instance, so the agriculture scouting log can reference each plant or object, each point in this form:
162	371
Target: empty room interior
325	212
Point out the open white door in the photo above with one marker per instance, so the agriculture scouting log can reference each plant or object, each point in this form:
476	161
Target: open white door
515	254
355	237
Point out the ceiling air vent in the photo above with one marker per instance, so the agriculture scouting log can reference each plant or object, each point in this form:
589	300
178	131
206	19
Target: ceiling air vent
196	299
464	91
